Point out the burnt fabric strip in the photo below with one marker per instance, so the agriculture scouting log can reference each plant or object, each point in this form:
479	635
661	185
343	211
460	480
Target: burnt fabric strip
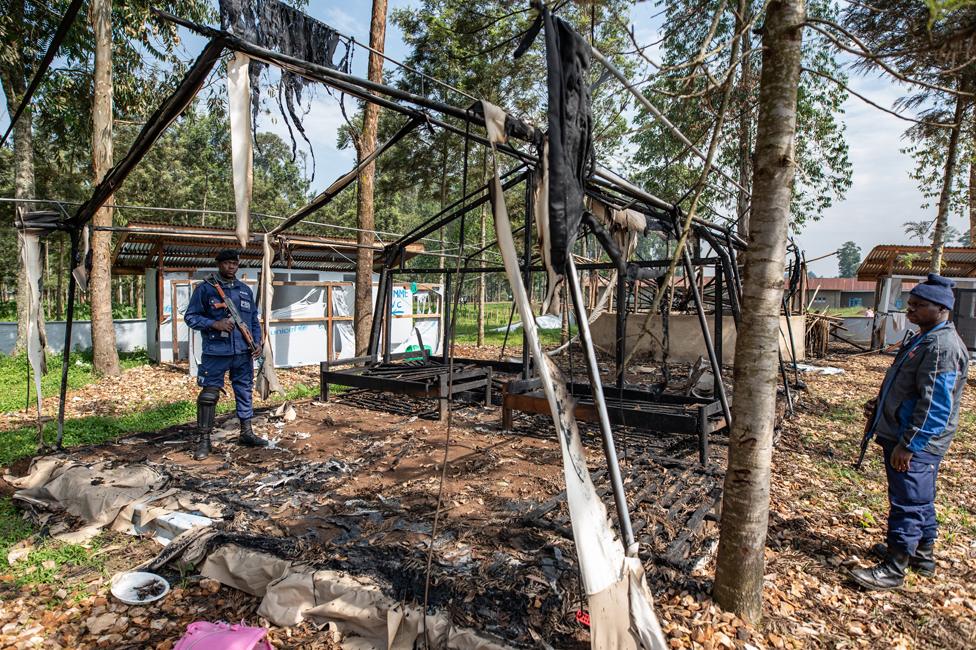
570	134
276	26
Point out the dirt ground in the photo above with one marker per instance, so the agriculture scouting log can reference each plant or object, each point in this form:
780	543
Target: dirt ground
357	489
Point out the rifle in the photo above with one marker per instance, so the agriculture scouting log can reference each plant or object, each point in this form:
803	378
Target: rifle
866	438
234	314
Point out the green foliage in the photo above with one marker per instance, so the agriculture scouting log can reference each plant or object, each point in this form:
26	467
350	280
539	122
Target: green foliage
13	375
689	96
848	259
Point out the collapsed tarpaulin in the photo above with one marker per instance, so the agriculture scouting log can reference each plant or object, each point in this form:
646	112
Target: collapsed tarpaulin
570	136
117	497
242	153
292	592
80	271
620	603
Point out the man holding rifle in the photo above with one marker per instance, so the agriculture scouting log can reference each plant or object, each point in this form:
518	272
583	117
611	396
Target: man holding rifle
914	418
223	310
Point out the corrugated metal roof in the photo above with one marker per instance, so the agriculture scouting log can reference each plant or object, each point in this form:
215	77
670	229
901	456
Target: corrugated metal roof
913	261
849	284
149	245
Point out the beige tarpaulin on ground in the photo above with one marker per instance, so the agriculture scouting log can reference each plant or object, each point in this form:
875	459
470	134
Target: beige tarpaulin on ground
104	496
620	603
242	154
363	614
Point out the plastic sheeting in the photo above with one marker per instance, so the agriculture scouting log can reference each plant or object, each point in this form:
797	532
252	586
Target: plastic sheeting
81	270
242	154
30	251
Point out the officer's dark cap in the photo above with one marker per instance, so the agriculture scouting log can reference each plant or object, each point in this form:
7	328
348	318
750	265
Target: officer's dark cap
228	254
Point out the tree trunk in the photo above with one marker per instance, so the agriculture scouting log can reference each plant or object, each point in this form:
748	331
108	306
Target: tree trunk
972	204
140	296
105	357
14	86
745	503
945	197
745	124
59	298
365	144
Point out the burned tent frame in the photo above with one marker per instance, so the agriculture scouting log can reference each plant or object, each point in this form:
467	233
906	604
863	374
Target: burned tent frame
602	183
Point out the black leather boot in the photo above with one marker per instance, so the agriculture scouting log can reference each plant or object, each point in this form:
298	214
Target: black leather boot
206	412
922	563
889	574
247	437
203	446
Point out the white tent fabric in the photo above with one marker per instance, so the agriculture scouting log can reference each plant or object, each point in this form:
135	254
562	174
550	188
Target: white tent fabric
30	251
242	155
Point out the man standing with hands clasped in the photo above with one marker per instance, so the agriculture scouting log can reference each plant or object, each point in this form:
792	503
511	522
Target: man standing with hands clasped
914	418
227	347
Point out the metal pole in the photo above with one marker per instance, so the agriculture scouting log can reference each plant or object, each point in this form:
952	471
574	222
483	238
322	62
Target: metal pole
374	330
596	385
448	325
719	316
527	263
66	352
706	335
621	328
387	320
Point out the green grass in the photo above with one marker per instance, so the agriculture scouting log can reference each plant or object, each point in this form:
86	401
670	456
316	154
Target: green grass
19	443
496	316
13	529
846	311
13	376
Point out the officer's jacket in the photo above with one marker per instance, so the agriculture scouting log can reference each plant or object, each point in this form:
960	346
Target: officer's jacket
205	308
919	400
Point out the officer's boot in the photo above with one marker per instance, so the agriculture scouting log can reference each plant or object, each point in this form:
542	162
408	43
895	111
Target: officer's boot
922	563
247	437
889	574
206	411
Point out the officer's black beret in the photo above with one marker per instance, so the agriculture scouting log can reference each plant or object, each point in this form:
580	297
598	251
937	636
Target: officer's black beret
228	254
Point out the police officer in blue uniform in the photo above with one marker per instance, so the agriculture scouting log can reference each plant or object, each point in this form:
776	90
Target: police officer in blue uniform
224	349
914	419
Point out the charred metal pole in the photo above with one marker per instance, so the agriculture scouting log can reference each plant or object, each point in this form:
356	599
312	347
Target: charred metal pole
448	325
333	190
527	263
719	324
596	385
706	335
374	331
66	352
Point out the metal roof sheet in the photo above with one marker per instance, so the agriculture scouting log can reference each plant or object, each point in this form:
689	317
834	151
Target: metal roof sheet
913	261
149	245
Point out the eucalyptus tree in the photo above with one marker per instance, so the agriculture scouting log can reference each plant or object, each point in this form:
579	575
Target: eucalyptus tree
695	43
140	43
929	46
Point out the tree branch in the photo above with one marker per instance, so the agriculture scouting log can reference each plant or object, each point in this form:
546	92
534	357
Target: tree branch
877	106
